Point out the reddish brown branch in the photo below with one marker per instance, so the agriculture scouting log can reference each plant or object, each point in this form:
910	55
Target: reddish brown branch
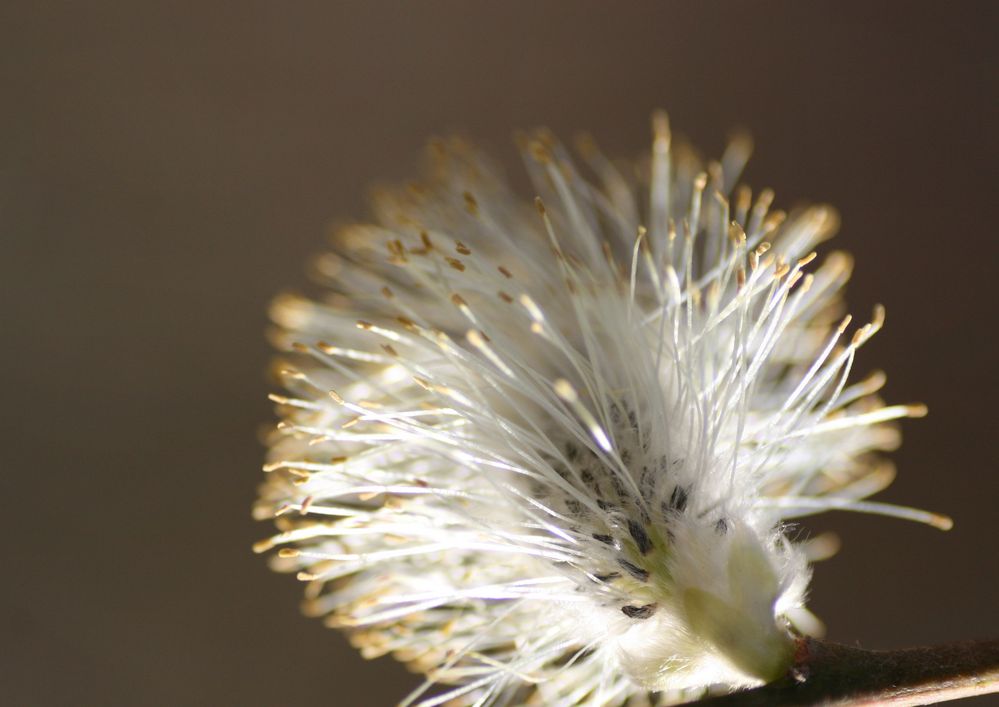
832	674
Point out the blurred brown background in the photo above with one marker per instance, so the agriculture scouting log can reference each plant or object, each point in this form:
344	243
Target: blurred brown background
165	168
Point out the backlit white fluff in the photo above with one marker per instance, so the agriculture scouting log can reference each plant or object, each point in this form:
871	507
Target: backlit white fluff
547	452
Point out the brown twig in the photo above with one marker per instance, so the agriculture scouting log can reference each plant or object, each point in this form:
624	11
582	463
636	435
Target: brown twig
833	674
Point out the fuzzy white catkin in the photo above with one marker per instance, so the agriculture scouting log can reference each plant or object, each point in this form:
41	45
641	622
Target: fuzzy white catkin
548	452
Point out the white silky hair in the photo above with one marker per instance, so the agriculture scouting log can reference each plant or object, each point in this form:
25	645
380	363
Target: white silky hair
549	453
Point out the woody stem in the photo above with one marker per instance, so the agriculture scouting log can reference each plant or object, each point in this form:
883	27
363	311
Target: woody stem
833	674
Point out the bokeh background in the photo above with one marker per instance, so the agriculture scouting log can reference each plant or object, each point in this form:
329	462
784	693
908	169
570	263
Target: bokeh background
165	168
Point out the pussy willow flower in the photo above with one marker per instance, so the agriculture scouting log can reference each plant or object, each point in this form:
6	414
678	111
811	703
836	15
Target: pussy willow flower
549	451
